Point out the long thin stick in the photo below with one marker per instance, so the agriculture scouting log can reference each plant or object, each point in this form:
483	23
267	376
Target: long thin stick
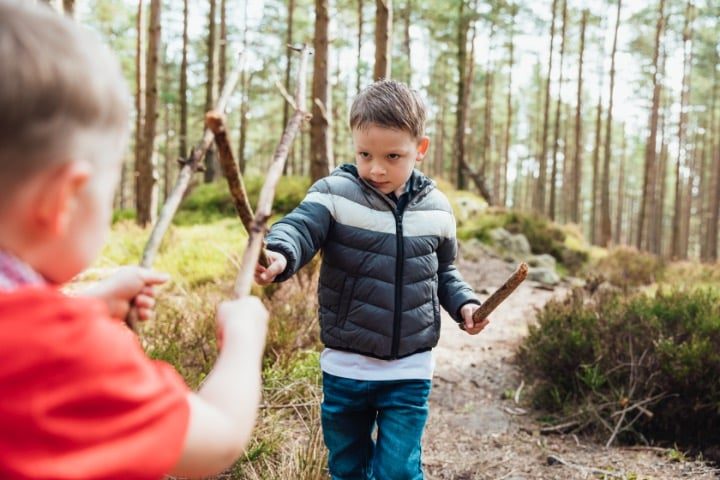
501	293
186	172
215	121
264	209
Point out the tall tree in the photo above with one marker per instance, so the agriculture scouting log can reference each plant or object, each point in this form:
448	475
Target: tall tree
407	19
182	140
222	47
647	201
210	167
558	110
147	182
575	199
509	107
358	71
677	250
539	200
288	71
139	101
713	211
383	39
605	225
320	133
461	109
487	144
618	230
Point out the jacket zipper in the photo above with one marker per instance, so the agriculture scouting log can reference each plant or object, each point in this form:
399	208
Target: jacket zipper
398	284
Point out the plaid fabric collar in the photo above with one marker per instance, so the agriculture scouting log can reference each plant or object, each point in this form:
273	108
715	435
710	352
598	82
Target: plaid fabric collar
15	273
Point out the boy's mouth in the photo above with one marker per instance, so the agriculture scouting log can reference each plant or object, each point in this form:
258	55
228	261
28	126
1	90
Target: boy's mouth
378	184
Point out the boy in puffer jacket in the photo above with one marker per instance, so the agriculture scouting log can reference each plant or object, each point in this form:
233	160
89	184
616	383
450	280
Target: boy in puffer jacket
388	241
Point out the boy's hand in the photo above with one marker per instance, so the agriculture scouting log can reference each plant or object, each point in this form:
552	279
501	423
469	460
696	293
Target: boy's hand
466	312
129	287
265	275
243	320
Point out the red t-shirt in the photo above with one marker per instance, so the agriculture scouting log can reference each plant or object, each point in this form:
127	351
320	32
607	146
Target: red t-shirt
78	396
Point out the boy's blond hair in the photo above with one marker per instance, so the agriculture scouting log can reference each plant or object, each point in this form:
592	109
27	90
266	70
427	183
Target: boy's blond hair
59	88
389	104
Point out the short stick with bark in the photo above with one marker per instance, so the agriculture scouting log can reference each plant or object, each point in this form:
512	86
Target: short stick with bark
264	208
501	293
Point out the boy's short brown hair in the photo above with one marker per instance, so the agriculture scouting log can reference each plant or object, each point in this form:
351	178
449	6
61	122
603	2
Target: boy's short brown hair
59	87
389	104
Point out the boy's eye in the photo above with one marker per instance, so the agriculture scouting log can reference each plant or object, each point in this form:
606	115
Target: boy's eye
393	156
364	154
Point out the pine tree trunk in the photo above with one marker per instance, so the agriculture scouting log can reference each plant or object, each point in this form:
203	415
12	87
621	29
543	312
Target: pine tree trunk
596	173
647	202
139	102
289	165
320	134
222	47
358	72
605	226
677	250
508	124
147	181
576	197
621	199
657	236
460	113
406	39
558	110
487	143
182	140
713	210
245	81
383	39
210	161
540	188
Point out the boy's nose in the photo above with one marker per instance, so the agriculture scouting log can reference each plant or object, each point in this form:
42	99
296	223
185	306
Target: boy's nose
377	170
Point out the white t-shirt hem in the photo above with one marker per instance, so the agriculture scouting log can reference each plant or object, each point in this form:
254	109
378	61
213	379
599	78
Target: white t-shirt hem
355	366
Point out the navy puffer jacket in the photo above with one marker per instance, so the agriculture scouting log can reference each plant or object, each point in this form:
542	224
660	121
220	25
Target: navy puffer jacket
385	270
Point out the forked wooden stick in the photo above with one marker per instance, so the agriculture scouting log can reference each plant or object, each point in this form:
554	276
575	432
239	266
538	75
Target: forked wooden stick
499	295
264	209
215	121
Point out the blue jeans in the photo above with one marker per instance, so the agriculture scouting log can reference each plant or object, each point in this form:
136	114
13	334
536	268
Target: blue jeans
350	411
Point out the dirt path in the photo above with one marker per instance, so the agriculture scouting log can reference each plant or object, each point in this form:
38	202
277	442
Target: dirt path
477	432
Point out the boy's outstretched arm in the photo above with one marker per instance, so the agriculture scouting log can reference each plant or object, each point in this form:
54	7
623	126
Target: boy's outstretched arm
301	233
223	411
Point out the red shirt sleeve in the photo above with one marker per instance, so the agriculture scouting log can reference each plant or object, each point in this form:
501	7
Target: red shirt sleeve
78	396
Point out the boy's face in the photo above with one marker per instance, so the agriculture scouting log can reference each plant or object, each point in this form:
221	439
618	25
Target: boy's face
386	157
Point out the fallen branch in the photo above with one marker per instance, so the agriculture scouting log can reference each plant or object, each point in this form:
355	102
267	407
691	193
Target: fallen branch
215	121
264	208
500	294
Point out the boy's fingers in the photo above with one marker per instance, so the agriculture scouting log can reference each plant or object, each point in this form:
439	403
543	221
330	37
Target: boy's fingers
144	301
151	277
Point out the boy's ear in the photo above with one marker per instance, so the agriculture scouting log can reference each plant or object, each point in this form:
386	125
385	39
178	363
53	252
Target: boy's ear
58	197
423	145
